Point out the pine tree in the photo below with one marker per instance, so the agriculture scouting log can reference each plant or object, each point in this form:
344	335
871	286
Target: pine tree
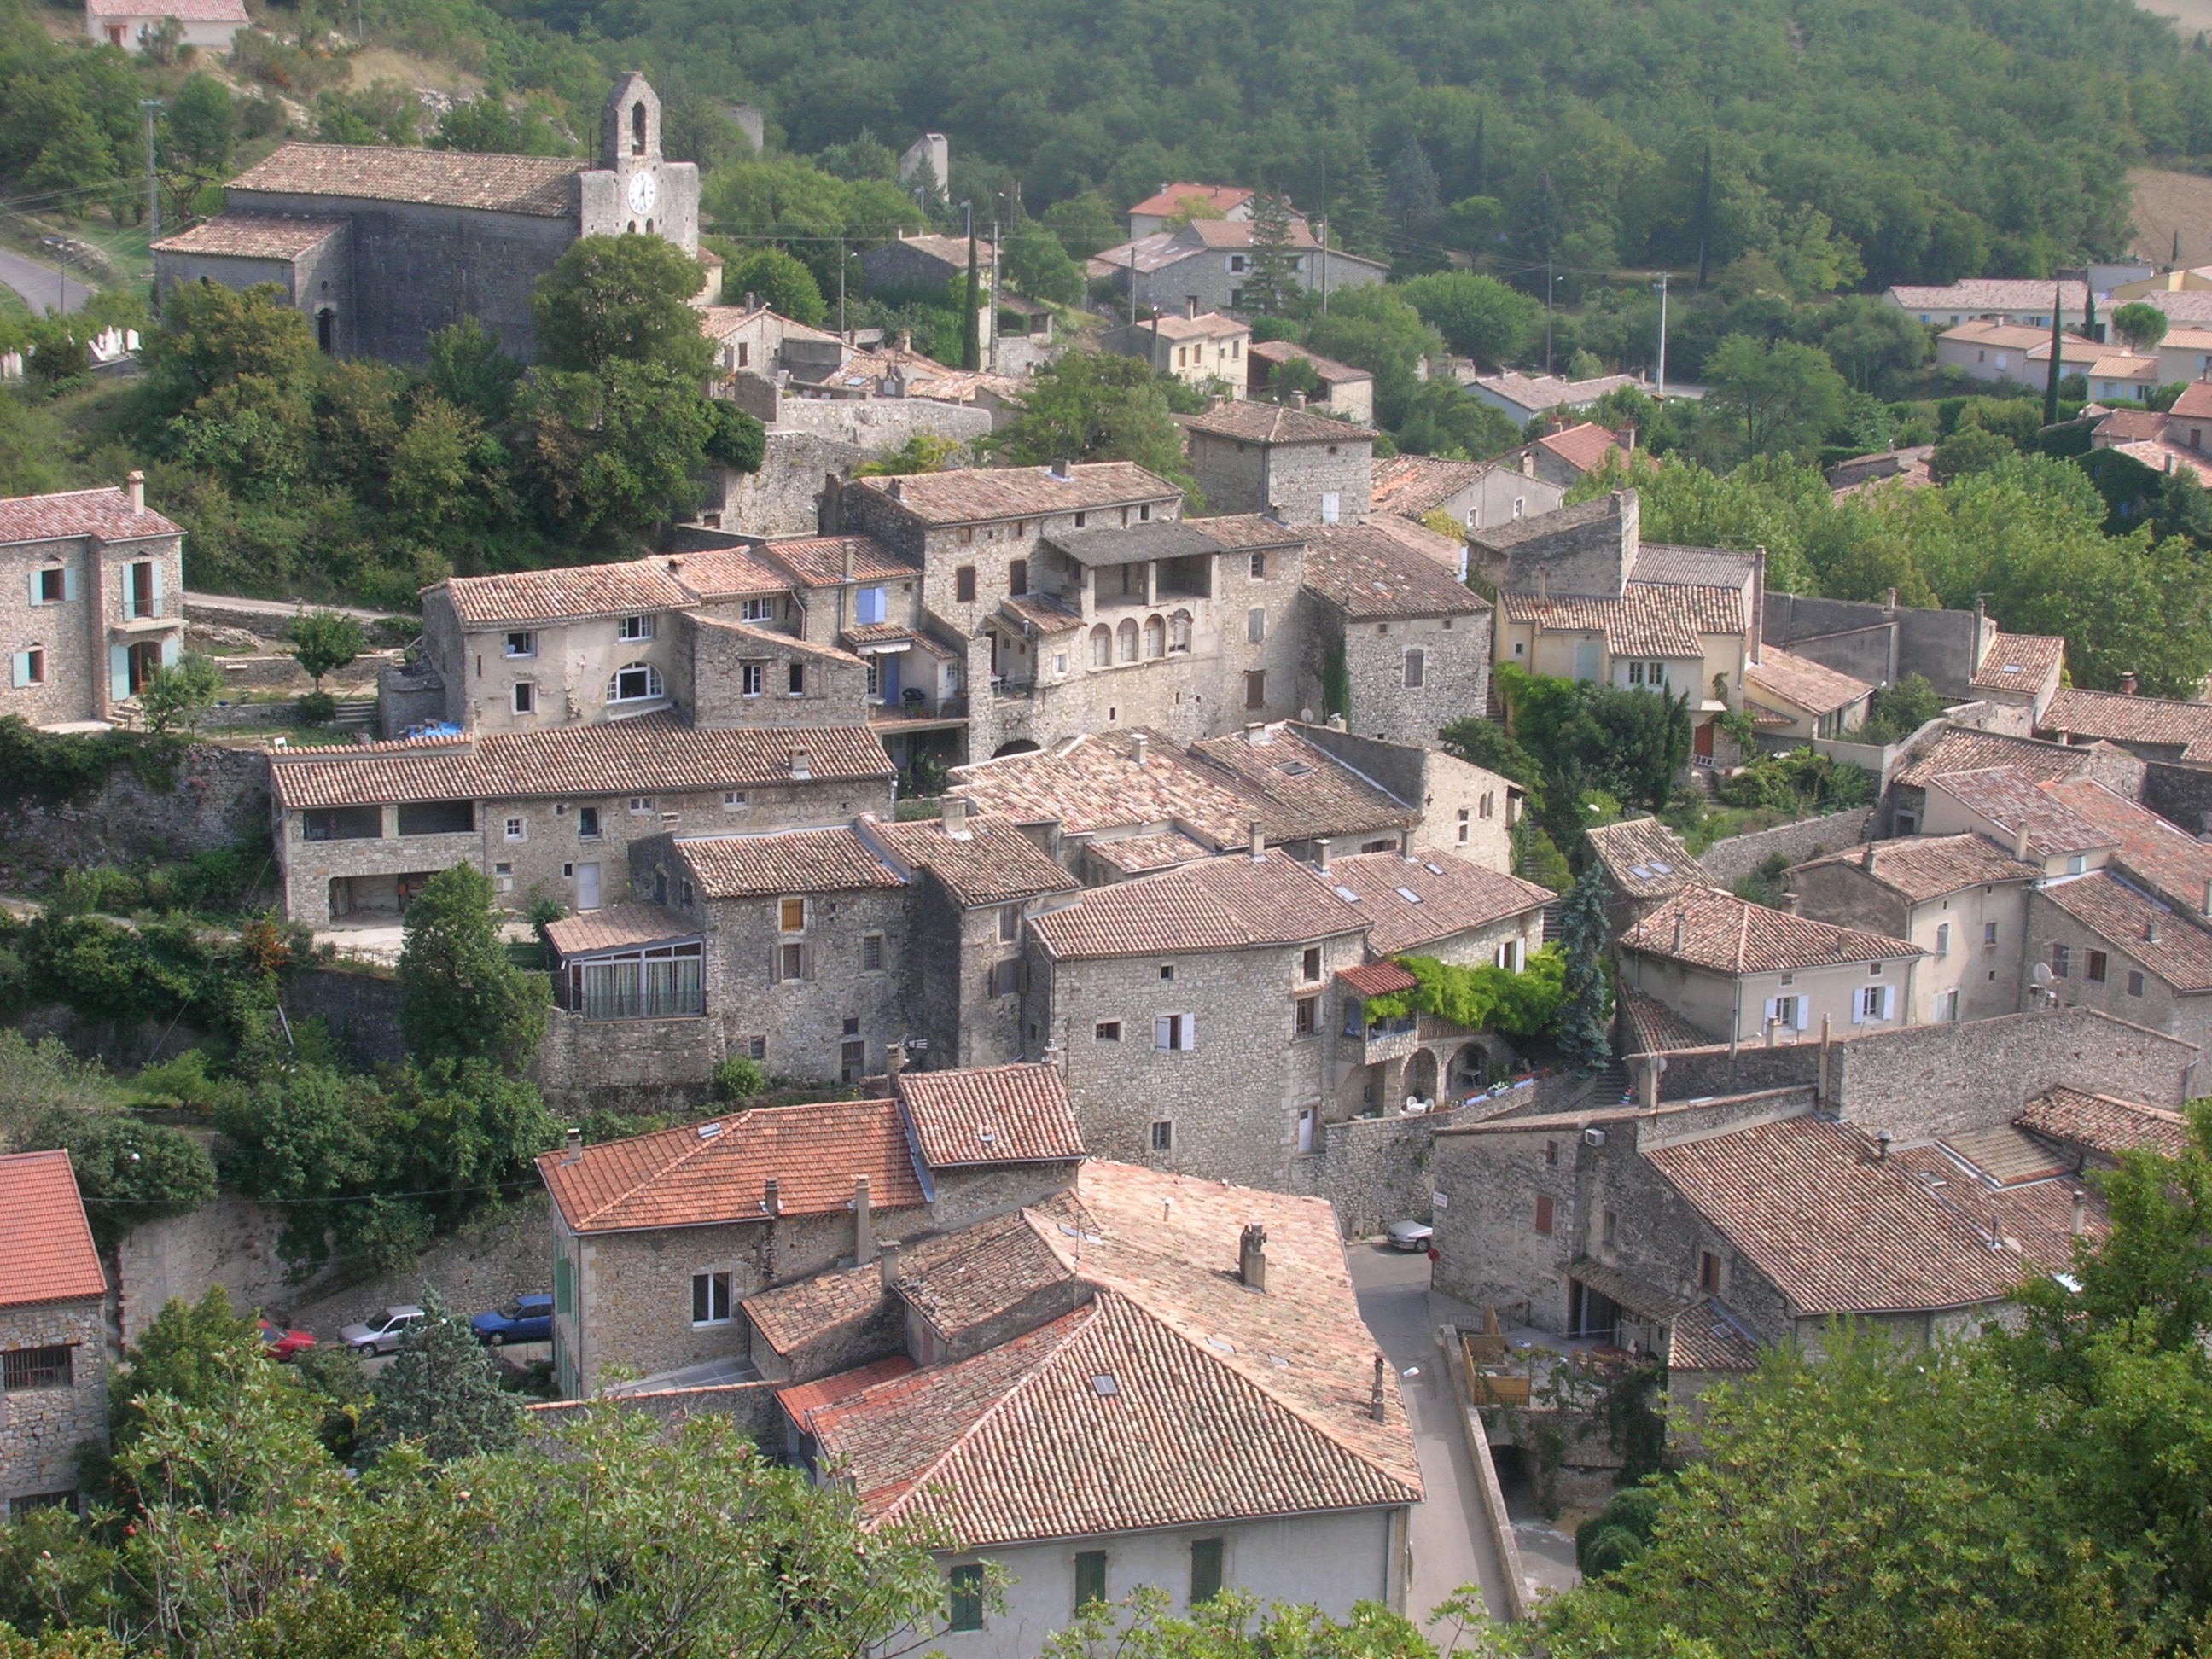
1273	280
442	1390
1411	191
1585	1023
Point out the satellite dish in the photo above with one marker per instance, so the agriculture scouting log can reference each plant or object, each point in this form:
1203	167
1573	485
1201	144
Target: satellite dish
2042	975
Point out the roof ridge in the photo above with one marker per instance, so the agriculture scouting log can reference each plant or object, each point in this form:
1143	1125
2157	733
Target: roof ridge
684	1155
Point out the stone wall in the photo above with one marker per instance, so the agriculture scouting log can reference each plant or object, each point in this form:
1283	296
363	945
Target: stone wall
221	799
41	1428
1374	1169
752	1404
267	622
1729	861
361	1010
626	1064
1585	548
1454	674
1944	646
2183	794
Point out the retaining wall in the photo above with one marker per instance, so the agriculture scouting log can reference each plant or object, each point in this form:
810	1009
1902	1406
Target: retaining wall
220	798
1729	861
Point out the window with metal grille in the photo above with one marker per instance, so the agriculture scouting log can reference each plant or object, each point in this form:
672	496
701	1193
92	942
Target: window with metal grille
22	1369
1163	1136
851	1060
871	953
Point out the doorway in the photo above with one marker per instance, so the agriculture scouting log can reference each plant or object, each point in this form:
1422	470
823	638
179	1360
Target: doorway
587	887
139	663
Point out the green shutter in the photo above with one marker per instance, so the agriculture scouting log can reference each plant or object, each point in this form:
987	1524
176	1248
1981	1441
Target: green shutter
564	1290
1089	1578
966	1587
1204	1569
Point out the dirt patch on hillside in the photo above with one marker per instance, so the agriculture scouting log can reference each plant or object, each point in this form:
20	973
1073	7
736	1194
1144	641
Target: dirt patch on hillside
2166	203
374	64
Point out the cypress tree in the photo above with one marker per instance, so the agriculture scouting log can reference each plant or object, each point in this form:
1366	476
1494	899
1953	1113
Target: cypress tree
1585	1023
971	345
2051	380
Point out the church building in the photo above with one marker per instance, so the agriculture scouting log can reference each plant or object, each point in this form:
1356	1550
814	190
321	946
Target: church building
383	248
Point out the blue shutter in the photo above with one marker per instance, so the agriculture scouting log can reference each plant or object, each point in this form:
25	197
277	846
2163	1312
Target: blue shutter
34	589
172	648
22	675
69	582
119	672
154	567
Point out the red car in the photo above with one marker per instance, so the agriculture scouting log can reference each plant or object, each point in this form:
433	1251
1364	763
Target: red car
281	1344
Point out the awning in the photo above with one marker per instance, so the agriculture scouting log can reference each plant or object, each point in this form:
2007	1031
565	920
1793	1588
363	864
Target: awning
1632	1295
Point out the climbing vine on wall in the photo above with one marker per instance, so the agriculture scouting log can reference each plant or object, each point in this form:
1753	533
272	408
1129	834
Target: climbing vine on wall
1484	999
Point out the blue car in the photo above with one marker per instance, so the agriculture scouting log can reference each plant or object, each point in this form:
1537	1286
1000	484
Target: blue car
526	1319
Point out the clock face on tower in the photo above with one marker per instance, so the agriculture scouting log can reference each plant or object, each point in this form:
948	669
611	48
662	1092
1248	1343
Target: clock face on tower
641	192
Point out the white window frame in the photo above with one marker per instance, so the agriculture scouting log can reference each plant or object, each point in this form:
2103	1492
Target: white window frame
757	610
1175	1033
521	642
713	1280
655	688
525	697
634	627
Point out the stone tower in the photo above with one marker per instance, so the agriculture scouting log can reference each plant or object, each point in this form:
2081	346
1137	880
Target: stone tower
629	124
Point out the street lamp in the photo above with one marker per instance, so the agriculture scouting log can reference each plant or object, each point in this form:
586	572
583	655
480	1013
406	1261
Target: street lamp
1662	334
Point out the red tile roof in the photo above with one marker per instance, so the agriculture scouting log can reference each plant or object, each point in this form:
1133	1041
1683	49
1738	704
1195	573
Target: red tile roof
990	1114
1450	895
1221	904
1169	199
1389	567
2155	851
2013	800
1413	484
1833	1228
1649	619
104	513
1977	293
1251	422
2124	719
184	11
253	236
1958	749
1654	1028
1137	855
819	561
564	594
541	187
1643	859
46	1253
1092	782
1331	372
1304	792
2104	1124
1803	683
619	926
1731	935
654	754
799	1403
728	572
714	1173
832	861
1923	867
1584	447
1705	1339
1377	979
2021	662
975	495
993	863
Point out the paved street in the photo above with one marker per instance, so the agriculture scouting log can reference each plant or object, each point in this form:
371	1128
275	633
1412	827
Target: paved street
1451	1546
40	283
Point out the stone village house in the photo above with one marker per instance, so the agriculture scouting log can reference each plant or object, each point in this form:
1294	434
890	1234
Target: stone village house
54	1334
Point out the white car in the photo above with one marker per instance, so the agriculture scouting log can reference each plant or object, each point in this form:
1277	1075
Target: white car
382	1334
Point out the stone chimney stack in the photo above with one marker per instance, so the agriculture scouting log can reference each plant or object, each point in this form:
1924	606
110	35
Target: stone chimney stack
771	1198
1297	399
1190	307
2129	683
1866	856
2080	1222
864	1233
2019	841
1259	841
1252	1256
1062	469
1375	1394
575	1145
1882	1146
893	1063
956	818
1678	932
1140	745
802	764
1321	854
887	1264
136	484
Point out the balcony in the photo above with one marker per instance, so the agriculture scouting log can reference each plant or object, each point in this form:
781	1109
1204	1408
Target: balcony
915	711
1383	1039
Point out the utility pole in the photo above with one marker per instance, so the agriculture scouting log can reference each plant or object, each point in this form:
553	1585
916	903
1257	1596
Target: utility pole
1662	333
152	187
1548	280
1132	285
992	361
841	288
1322	225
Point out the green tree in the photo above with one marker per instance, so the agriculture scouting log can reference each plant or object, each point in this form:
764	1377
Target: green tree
128	1171
619	449
2141	326
441	1393
324	641
461	997
1034	263
1410	190
467	369
785	286
622	299
175	694
488	124
1586	1011
1271	282
212	336
1776	396
1092	406
1970	449
190	1352
1870	340
1235	1625
201	128
1477	316
1085	225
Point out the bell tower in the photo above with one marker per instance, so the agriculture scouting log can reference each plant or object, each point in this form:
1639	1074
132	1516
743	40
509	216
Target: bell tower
629	126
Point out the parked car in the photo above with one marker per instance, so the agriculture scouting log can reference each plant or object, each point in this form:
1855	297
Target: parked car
281	1344
1410	1237
525	1319
381	1334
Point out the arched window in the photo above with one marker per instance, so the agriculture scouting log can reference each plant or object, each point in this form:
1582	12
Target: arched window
1179	631
1102	646
1156	638
636	682
1127	634
637	128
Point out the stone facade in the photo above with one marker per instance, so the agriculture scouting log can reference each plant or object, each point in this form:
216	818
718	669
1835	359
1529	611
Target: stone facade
1308	480
1405	678
45	1426
738	674
2131	989
1975	938
1728	862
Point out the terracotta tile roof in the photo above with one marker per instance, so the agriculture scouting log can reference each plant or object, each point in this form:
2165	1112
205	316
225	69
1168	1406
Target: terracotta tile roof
819	561
1991	293
1207	325
2005	1156
542	186
1656	1028
727	572
2016	337
1833	1229
1136	856
1042	611
2124	424
564	594
953	250
1389	566
1706	1339
1411	485
1251	422
1923	867
1222	905
1169	199
2154	851
990	1114
799	1403
713	1173
834	860
2124	719
1730	935
1251	531
619	926
2032	1214
2168	456
104	513
1451	895
1901	469
1649	619
993	863
1643	859
654	754
2104	1124
774	642
1377	979
1541	392
998	1265
1815	686
788	1316
184	11
2121	366
972	495
253	236
2011	800
1307	793
1331	372
2019	662
2123	916
1225	1403
1091	782
854	639
46	1245
1957	748
1584	447
1133	544
1662	566
1239	233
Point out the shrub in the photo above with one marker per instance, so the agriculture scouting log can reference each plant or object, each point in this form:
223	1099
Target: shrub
737	1078
317	708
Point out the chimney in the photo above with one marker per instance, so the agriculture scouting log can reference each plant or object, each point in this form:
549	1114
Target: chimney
2207	896
1791	901
1296	400
1527	463
1866	857
1543	582
1259	841
1336	723
771	1198
1996	1240
1772	1022
1062	469
2128	681
1321	854
864	1235
896	489
849	560
752	301
136	483
1882	1146
1252	1256
2020	840
1678	932
1647	1083
887	1264
575	1145
1140	743
2150	931
1889	599
1190	307
802	764
893	1063
956	818
1375	1395
903	340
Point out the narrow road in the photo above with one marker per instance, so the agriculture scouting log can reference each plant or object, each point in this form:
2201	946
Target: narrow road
40	284
286	609
1452	1545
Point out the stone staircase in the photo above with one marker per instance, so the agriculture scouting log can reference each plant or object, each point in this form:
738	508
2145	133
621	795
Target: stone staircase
356	716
